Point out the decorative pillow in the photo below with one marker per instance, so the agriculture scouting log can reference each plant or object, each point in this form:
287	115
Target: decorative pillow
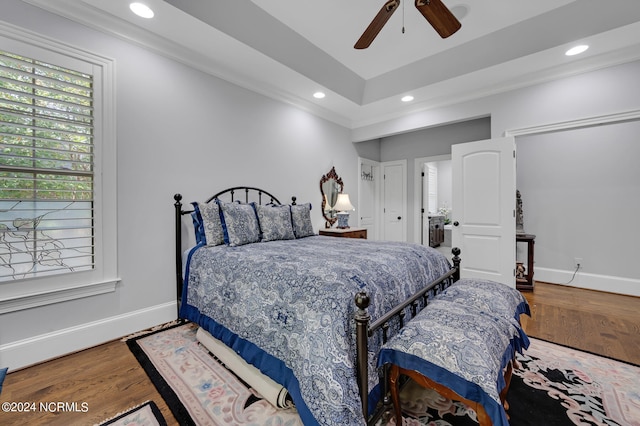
210	214
240	223
207	224
301	220
275	222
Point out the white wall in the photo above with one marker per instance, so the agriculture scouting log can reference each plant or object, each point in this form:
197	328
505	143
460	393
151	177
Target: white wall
178	130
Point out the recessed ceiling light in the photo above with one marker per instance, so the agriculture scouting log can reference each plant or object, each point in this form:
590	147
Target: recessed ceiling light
407	98
141	10
319	95
576	50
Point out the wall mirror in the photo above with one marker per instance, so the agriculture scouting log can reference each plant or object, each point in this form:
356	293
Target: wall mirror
330	186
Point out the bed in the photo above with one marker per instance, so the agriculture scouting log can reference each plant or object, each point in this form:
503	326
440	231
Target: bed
308	311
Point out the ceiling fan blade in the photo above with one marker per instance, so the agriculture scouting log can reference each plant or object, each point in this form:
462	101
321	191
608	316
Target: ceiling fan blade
439	16
376	25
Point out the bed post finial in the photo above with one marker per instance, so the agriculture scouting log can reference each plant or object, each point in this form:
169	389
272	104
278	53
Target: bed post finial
293	200
362	319
456	262
362	301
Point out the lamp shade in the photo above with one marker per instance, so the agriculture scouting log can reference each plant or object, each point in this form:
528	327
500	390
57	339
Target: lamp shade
343	203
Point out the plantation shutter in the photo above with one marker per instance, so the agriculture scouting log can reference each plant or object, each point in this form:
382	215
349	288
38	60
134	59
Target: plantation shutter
46	169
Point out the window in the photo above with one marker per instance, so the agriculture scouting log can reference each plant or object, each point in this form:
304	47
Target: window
57	172
46	168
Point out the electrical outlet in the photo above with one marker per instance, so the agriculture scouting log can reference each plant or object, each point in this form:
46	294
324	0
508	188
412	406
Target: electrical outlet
577	262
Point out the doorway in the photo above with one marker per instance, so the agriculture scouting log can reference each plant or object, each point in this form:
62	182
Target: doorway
433	194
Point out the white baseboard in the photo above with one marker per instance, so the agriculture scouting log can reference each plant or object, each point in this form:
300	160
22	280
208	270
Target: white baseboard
24	353
610	284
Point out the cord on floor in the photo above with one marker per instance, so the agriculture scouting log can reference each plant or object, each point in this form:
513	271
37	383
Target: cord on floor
574	274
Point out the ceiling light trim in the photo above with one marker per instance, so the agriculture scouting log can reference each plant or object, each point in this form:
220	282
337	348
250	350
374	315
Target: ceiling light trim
577	50
142	10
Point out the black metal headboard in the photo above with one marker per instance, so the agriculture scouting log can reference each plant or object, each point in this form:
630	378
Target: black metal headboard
251	194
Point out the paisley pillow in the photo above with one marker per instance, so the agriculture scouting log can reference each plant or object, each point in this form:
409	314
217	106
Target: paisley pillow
275	222
209	224
240	223
301	220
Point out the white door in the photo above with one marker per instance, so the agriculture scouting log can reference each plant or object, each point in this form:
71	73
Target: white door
484	197
394	200
368	205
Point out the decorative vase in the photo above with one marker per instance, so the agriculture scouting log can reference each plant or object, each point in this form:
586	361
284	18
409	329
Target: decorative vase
520	270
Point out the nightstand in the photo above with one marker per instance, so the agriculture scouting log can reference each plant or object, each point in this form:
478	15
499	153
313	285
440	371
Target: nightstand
344	233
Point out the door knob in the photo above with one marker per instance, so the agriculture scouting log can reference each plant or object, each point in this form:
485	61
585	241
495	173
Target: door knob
456	223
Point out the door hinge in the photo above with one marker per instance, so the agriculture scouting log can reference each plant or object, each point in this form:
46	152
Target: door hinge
514	153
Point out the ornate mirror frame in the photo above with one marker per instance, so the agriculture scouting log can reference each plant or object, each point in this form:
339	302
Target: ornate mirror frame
330	186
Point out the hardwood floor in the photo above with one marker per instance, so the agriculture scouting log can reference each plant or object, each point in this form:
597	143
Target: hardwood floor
109	379
602	323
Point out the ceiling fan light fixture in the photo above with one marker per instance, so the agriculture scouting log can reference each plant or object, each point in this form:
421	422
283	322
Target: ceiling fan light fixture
576	50
407	98
460	11
142	10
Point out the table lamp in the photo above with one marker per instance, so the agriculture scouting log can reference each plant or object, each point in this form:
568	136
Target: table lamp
343	206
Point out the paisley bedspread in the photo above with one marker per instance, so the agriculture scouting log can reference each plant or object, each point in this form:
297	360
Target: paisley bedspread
287	307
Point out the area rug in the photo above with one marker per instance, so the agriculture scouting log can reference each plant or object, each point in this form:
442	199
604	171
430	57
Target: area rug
147	414
554	386
198	389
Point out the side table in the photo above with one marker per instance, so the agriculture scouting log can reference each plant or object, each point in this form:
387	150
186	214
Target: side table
344	233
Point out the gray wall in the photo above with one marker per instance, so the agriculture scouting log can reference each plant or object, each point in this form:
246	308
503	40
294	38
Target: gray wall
369	149
178	130
563	211
581	197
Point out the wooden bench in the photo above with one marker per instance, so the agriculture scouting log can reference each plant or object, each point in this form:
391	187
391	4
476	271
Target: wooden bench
461	345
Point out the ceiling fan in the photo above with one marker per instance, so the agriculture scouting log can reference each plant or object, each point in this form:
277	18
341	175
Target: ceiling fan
438	15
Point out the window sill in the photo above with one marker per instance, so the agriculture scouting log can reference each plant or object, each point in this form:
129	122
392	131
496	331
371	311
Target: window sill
20	302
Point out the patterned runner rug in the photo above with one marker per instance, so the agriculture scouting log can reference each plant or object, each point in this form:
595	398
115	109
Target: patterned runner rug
554	386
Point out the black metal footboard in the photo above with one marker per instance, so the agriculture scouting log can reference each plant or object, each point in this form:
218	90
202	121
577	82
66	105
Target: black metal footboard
366	329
